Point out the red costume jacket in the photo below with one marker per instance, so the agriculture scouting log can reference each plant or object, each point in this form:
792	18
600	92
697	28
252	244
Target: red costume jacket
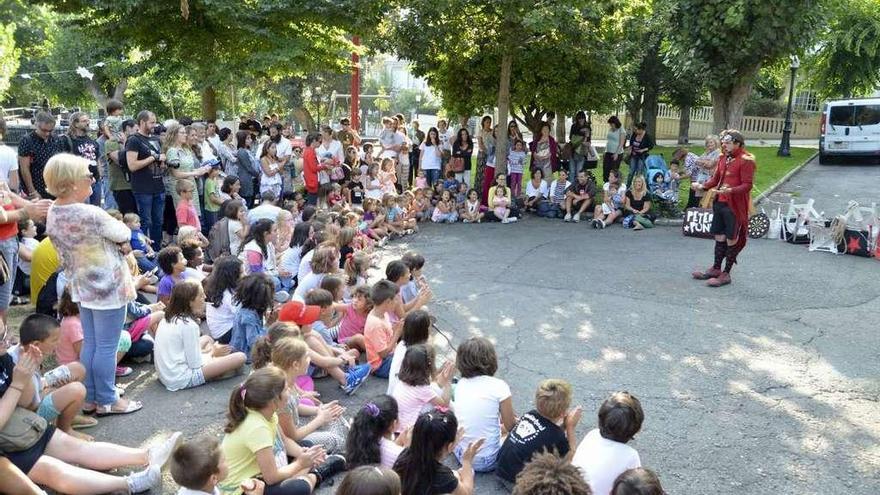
736	171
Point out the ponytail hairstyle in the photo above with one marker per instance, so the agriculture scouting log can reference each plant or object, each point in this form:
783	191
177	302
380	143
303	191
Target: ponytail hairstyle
258	232
262	351
258	391
356	264
433	432
418	366
370	424
224	276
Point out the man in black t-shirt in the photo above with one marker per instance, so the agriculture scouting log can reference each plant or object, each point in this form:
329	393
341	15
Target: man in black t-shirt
78	142
34	151
147	165
579	197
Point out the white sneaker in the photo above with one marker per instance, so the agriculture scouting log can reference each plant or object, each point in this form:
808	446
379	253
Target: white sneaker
567	217
145	480
159	454
465	221
511	219
505	220
577	218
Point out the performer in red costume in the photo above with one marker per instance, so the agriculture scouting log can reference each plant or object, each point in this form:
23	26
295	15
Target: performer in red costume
730	222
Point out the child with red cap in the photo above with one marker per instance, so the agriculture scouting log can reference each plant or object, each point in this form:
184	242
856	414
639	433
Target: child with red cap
341	367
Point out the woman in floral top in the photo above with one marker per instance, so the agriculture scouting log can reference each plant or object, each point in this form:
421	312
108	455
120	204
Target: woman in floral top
544	152
91	244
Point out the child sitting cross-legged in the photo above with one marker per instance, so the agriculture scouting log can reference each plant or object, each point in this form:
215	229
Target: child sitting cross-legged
485	406
291	355
550	427
173	264
380	337
336	362
416	330
548	474
254	446
183	358
198	466
57	395
414	389
604	454
420	466
354	318
371	437
254	296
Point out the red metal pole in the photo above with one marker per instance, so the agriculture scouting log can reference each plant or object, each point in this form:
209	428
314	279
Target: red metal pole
355	86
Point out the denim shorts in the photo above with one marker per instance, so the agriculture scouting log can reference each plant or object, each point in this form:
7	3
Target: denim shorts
47	409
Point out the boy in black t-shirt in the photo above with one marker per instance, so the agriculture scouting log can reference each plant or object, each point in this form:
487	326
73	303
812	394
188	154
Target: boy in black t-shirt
547	428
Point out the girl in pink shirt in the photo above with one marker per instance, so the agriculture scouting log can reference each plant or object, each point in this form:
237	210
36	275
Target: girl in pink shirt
414	390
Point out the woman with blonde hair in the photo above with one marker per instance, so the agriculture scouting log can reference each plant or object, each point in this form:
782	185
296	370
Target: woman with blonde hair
637	205
704	167
92	245
181	161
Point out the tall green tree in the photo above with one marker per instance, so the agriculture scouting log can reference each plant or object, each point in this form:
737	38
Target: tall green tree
728	42
532	57
847	62
8	56
230	42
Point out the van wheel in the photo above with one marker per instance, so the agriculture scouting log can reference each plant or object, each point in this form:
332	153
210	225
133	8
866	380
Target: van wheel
824	159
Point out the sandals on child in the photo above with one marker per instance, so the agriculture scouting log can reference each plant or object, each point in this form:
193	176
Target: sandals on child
108	410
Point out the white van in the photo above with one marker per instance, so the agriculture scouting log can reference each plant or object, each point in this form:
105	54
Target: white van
849	128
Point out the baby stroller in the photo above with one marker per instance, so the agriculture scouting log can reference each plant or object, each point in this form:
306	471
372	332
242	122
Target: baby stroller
663	190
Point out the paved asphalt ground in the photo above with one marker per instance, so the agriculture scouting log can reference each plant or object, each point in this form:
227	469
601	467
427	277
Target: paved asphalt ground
768	386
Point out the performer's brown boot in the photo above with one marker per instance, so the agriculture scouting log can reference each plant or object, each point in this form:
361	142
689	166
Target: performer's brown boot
710	273
722	279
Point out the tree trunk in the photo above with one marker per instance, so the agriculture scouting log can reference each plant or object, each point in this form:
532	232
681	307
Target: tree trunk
650	107
304	117
119	90
561	136
684	124
729	104
209	103
503	112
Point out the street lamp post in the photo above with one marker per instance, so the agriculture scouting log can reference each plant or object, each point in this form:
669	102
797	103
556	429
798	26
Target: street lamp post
785	144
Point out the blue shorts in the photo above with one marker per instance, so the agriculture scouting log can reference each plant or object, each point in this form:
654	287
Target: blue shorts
384	369
47	410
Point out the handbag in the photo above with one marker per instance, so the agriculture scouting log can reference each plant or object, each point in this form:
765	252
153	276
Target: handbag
456	164
4	270
698	220
22	431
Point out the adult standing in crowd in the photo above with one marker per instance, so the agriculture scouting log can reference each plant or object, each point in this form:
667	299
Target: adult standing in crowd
212	136
514	135
117	165
248	168
702	168
147	165
228	153
181	161
91	245
347	135
34	151
463	148
115	110
614	145
640	145
545	153
330	152
485	140
8	161
446	139
203	149
78	142
579	135
15	209
431	156
416	138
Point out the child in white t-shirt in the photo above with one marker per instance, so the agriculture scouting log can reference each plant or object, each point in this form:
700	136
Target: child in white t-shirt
604	454
484	406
